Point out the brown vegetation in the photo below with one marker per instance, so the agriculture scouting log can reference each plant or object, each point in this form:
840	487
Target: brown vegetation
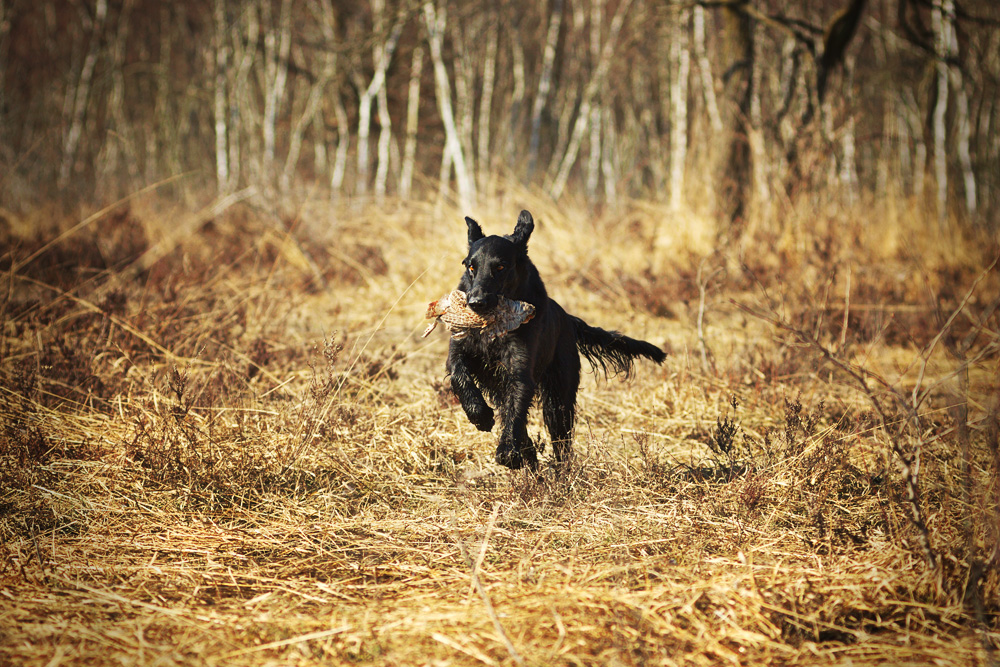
222	460
223	441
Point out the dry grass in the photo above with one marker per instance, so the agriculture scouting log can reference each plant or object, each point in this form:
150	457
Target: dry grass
243	453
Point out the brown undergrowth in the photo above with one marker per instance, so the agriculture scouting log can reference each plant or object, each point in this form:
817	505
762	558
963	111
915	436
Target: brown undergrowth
235	449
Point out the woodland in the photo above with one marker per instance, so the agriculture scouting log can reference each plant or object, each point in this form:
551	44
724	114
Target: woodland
223	440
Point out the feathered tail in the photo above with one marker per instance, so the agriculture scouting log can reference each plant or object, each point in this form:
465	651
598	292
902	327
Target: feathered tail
611	351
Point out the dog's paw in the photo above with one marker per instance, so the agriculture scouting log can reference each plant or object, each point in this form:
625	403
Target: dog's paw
509	458
514	457
481	417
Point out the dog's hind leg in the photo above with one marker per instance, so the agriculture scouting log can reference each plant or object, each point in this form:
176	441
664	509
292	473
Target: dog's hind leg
559	402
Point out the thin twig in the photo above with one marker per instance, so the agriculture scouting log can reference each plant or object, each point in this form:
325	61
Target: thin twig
485	596
847	309
486	541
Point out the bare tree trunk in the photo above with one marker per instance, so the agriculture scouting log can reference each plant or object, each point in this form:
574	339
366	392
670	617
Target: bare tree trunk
323	12
680	62
464	75
382	56
5	18
384	141
220	106
436	22
848	159
517	97
444	174
243	42
608	168
320	158
755	135
565	99
165	112
941	20
486	100
118	139
412	122
81	94
705	68
277	46
343	143
594	160
914	123
964	129
738	52
583	117
544	85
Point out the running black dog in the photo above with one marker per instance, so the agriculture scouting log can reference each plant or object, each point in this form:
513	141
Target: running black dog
541	356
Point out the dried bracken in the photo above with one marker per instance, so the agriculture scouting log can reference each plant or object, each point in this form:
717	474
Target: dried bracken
160	505
460	320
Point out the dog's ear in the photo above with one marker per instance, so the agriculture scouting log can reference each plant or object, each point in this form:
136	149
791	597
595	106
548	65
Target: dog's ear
522	230
475	231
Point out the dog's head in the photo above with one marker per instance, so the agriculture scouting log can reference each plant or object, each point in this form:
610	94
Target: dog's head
496	265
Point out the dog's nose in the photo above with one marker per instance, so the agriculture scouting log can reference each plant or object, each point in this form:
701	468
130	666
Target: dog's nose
478	303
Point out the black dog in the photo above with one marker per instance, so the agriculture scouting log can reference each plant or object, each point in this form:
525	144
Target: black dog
541	356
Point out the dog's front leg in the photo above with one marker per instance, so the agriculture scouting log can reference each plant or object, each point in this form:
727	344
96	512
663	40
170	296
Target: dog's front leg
469	395
515	448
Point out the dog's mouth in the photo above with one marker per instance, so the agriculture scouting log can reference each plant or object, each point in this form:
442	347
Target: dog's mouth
482	303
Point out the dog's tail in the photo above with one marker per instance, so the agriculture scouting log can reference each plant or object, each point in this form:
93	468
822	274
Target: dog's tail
611	351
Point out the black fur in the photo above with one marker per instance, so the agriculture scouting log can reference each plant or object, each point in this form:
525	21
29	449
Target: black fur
541	357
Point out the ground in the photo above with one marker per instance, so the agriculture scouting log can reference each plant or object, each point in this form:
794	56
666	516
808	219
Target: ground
228	444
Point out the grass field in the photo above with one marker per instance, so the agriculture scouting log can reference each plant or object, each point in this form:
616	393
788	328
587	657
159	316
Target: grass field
225	443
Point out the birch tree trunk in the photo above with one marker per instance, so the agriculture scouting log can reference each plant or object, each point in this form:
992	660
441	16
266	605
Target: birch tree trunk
435	22
323	12
464	76
244	39
412	122
941	20
705	67
320	158
343	143
738	61
517	96
583	117
382	55
608	168
384	141
913	121
164	111
848	158
486	100
594	159
544	85
118	141
81	94
220	106
680	62
309	111
277	46
5	18
963	132
755	136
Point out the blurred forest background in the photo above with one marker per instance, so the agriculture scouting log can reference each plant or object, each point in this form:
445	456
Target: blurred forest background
728	108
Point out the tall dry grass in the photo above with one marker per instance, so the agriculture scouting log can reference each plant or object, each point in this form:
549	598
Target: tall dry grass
243	453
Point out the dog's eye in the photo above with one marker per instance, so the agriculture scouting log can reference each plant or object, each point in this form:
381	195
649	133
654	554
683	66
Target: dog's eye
500	268
472	269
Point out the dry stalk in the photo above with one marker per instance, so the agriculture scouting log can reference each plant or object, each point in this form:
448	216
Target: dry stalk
703	283
487	603
847	310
